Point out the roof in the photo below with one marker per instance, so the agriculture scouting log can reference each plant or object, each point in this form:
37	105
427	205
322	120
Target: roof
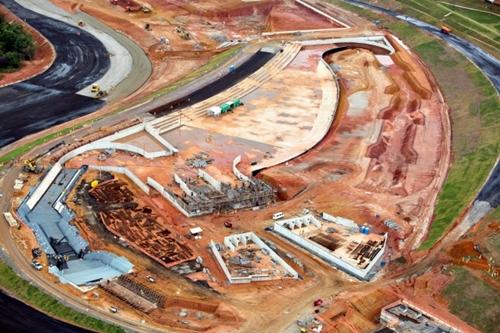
196	230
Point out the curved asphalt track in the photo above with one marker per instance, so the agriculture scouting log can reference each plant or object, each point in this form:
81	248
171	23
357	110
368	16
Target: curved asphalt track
50	98
488	64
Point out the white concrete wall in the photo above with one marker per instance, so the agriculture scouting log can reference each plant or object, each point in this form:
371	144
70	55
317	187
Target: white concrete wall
209	179
157	186
43	186
124	171
379	41
96	145
220	261
233	241
299	221
237	172
156	134
123	133
321	252
340	220
184	187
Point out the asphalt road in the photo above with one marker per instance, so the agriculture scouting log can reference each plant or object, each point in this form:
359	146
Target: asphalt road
491	190
488	64
49	98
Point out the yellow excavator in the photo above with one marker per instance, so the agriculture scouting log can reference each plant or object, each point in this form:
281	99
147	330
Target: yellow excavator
32	166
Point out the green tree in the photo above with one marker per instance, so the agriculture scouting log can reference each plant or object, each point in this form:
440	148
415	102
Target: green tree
16	45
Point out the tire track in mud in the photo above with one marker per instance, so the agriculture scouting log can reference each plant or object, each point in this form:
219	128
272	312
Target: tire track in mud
50	98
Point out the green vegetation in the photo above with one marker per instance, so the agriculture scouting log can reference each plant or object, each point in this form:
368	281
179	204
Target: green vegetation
479	26
16	45
473	300
475	118
215	62
34	297
11	155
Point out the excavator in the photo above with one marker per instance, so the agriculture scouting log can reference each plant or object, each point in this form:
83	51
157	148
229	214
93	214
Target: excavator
32	166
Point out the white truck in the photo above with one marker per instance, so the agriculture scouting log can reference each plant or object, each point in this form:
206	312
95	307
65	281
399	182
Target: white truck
11	220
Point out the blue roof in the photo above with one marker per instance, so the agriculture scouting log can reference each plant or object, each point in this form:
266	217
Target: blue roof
47	222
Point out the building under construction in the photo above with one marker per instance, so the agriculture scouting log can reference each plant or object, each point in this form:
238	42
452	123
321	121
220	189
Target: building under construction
138	225
206	195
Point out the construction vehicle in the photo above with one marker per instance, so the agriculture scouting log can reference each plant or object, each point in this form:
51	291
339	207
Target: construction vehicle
31	166
95	88
94	183
183	33
223	108
99	93
445	30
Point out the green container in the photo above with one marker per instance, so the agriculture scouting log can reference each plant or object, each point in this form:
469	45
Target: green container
236	102
225	107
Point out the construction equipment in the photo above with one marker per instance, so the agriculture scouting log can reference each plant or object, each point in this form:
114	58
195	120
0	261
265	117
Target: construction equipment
95	89
183	33
225	107
99	93
445	30
32	166
94	183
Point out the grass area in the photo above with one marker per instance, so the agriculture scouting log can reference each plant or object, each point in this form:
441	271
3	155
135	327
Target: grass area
34	297
215	62
479	27
473	300
478	16
475	117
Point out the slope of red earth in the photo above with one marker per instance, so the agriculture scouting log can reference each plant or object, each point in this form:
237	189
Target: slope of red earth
386	154
44	54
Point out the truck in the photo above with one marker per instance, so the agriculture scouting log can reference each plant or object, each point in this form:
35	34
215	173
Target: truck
445	30
216	111
11	220
278	216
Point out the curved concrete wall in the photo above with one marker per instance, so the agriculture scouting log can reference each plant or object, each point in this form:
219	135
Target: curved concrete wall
379	43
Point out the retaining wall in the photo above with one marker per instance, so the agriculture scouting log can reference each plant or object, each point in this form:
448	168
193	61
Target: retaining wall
124	171
326	255
232	241
237	172
209	179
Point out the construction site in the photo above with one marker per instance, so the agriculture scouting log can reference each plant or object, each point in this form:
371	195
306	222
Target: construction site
245	258
338	241
276	191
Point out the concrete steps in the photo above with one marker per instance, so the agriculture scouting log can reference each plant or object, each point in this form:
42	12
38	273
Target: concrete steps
243	88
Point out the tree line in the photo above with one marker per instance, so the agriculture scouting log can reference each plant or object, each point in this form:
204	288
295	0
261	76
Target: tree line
16	45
